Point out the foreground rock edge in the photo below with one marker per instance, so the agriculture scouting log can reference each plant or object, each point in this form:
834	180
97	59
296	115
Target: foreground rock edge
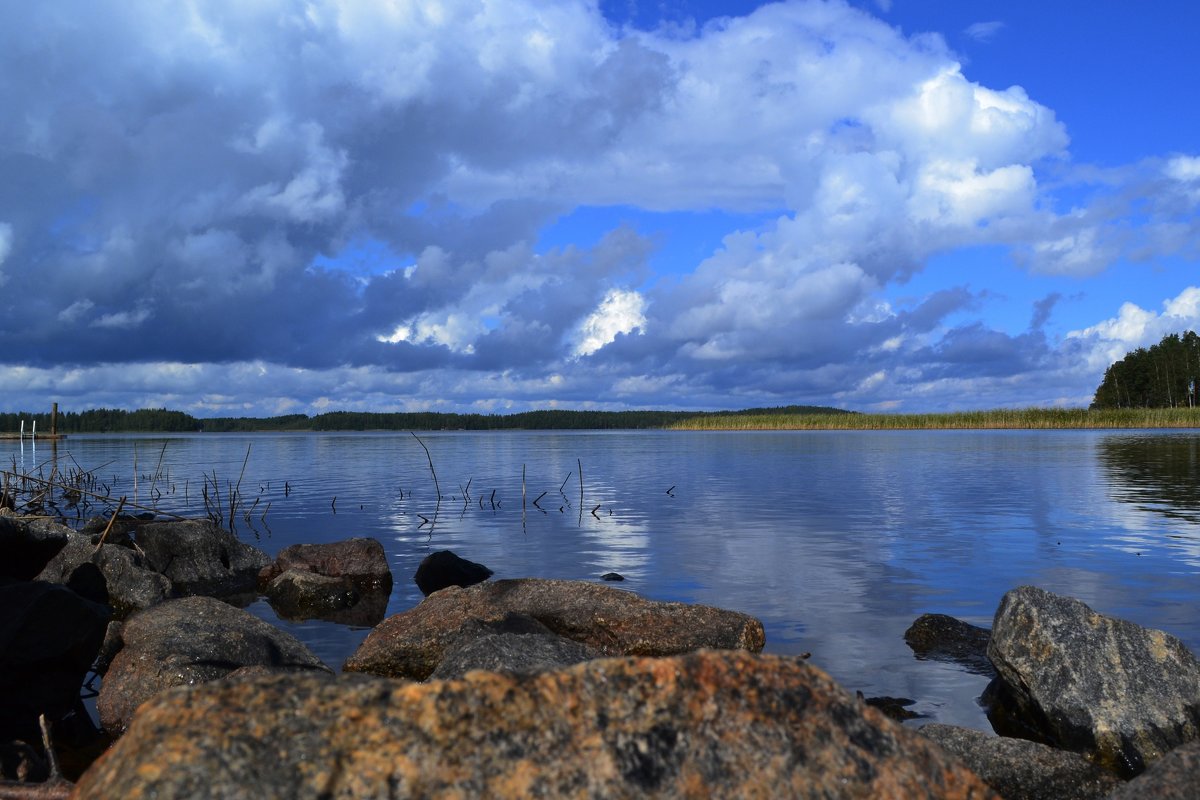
710	723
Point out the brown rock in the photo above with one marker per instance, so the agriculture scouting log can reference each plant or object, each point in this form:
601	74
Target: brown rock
614	622
707	724
361	561
190	640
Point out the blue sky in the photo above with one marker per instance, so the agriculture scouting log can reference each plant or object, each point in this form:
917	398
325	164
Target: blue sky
282	206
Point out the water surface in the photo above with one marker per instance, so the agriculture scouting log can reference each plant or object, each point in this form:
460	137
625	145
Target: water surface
837	540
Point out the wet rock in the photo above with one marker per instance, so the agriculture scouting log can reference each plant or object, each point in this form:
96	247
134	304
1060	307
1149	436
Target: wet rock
615	622
361	562
28	545
130	584
939	637
190	640
1121	693
298	594
1022	770
200	558
612	576
1175	776
512	652
444	569
708	724
48	638
896	708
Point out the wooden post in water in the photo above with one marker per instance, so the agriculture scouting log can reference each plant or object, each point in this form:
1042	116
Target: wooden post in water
54	420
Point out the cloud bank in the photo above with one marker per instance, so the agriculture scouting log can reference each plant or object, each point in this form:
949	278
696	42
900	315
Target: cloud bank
280	206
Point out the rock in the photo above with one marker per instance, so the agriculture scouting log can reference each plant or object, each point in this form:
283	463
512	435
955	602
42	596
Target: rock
297	594
938	637
1175	776
28	545
48	638
1120	693
200	558
615	622
512	652
896	708
612	576
708	724
190	640
444	569
361	562
130	585
1022	770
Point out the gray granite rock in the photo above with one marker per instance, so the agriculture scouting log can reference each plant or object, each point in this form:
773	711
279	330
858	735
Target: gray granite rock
190	640
28	545
708	724
1022	770
200	557
1123	694
131	585
444	568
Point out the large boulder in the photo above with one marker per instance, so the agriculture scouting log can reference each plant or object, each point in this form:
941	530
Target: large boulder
1019	769
444	569
200	558
708	724
130	584
360	562
938	637
28	545
613	621
186	641
1175	776
1123	694
49	637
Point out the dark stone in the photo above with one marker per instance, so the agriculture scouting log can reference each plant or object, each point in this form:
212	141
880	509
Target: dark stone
938	637
200	558
360	562
1175	776
88	582
49	637
130	585
1022	770
28	545
1122	694
613	621
708	724
191	640
443	568
612	576
512	652
896	708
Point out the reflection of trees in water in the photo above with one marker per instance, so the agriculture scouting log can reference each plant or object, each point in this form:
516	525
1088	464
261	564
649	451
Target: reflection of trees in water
1155	473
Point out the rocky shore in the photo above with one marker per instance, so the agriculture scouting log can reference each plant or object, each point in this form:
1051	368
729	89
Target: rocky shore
528	687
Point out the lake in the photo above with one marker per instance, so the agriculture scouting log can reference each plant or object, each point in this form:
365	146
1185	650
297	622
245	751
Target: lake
836	540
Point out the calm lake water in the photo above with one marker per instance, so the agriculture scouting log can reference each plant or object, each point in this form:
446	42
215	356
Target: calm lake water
836	540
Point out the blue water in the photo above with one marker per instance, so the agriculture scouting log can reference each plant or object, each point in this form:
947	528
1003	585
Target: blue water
837	540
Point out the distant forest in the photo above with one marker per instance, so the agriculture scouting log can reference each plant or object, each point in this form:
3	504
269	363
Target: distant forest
161	420
1160	376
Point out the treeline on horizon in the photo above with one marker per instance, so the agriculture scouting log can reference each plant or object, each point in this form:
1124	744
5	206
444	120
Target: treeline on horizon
1163	375
161	420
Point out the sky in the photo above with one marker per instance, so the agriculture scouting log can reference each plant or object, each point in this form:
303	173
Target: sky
263	207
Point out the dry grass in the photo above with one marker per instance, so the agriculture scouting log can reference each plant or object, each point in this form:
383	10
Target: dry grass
1013	419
